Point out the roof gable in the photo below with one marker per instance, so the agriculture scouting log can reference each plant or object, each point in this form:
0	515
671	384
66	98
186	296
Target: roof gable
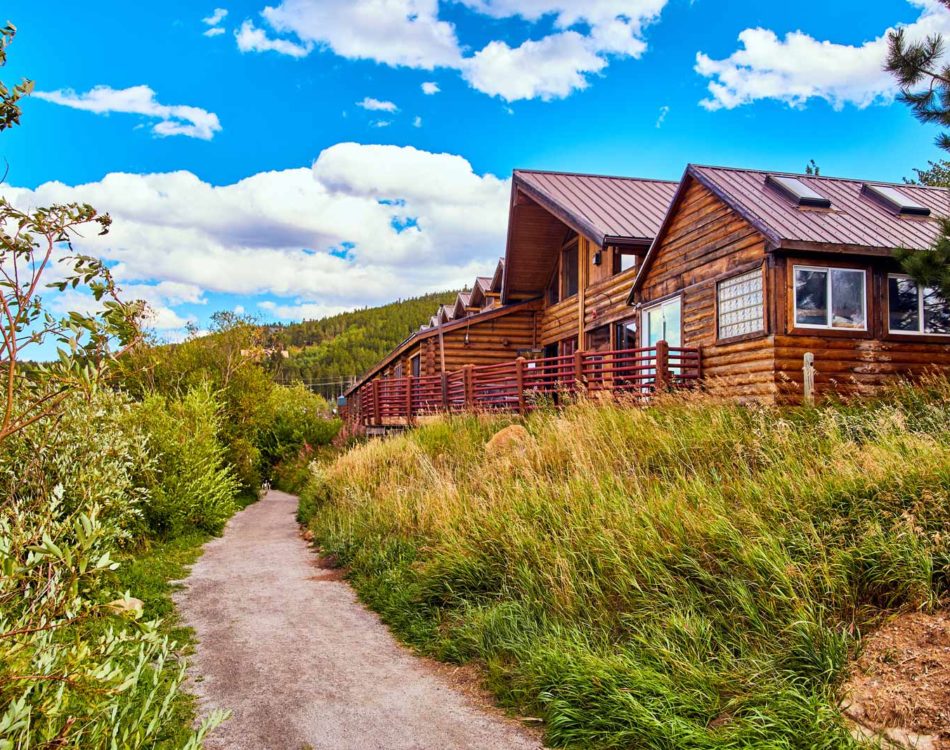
856	221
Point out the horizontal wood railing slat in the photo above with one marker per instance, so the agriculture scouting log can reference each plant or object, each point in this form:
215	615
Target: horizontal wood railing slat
523	384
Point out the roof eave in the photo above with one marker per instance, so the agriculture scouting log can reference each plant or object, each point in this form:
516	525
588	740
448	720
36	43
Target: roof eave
578	223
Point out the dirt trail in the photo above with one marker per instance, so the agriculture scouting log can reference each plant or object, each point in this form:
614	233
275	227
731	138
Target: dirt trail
301	664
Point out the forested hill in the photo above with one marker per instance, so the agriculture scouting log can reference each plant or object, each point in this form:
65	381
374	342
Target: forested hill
350	343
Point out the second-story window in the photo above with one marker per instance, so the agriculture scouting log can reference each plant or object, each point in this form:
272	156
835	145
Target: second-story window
569	271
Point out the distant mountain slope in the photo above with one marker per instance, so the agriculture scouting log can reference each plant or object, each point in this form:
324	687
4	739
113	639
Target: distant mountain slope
348	344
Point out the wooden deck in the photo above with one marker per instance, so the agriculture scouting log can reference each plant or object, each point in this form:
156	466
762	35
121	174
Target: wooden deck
523	384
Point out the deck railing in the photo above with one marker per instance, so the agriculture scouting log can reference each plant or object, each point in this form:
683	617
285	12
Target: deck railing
524	384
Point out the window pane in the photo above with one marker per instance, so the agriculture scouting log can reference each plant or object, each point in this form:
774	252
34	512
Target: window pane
936	312
740	305
627	335
671	322
847	298
903	310
569	271
811	297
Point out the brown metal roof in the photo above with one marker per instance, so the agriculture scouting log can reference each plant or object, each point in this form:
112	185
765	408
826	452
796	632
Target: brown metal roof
854	219
600	207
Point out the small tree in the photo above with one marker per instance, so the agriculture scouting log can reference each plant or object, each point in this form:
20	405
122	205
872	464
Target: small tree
924	79
31	244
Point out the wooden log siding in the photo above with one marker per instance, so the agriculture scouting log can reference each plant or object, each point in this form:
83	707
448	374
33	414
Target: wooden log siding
607	300
705	242
559	321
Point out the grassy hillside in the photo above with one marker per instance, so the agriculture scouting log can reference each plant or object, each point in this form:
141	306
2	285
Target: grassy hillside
350	343
694	574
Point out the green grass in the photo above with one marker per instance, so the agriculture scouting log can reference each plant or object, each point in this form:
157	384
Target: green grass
695	574
148	576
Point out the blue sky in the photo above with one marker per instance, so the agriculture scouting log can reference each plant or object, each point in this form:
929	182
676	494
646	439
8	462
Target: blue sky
289	162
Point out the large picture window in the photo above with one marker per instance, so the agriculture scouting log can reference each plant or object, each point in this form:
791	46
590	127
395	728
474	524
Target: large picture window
740	305
912	308
830	298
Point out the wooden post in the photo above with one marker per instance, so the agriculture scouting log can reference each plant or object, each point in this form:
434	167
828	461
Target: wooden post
445	392
579	369
409	400
808	373
661	380
469	374
377	415
519	380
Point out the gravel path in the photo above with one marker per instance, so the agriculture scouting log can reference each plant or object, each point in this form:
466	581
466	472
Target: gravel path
286	646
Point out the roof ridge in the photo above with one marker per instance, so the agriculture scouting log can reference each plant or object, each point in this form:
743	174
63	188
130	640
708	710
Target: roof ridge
591	174
829	178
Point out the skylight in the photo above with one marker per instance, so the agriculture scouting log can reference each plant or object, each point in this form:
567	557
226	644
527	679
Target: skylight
797	191
895	200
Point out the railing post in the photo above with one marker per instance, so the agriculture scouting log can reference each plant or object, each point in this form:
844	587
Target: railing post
519	380
377	415
409	400
661	380
579	369
468	374
445	392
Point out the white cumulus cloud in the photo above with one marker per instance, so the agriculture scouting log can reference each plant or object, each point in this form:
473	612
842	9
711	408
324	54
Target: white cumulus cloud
798	67
377	105
364	225
216	17
252	39
193	122
587	35
395	32
430	87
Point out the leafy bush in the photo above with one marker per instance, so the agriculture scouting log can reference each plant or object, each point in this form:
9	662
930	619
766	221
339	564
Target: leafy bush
693	574
75	672
297	418
190	485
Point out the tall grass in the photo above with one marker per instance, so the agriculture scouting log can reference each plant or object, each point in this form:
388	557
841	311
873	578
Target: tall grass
693	574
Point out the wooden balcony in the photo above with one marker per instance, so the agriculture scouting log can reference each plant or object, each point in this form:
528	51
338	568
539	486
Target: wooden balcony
523	384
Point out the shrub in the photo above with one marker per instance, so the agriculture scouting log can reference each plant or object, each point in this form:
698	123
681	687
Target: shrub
74	672
190	485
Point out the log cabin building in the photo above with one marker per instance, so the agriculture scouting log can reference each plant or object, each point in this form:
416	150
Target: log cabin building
574	243
750	269
757	269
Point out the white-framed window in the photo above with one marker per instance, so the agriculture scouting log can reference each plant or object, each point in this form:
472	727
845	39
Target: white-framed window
831	298
740	305
912	308
662	323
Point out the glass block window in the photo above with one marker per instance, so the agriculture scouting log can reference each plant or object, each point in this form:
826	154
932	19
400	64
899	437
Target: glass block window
915	309
740	305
